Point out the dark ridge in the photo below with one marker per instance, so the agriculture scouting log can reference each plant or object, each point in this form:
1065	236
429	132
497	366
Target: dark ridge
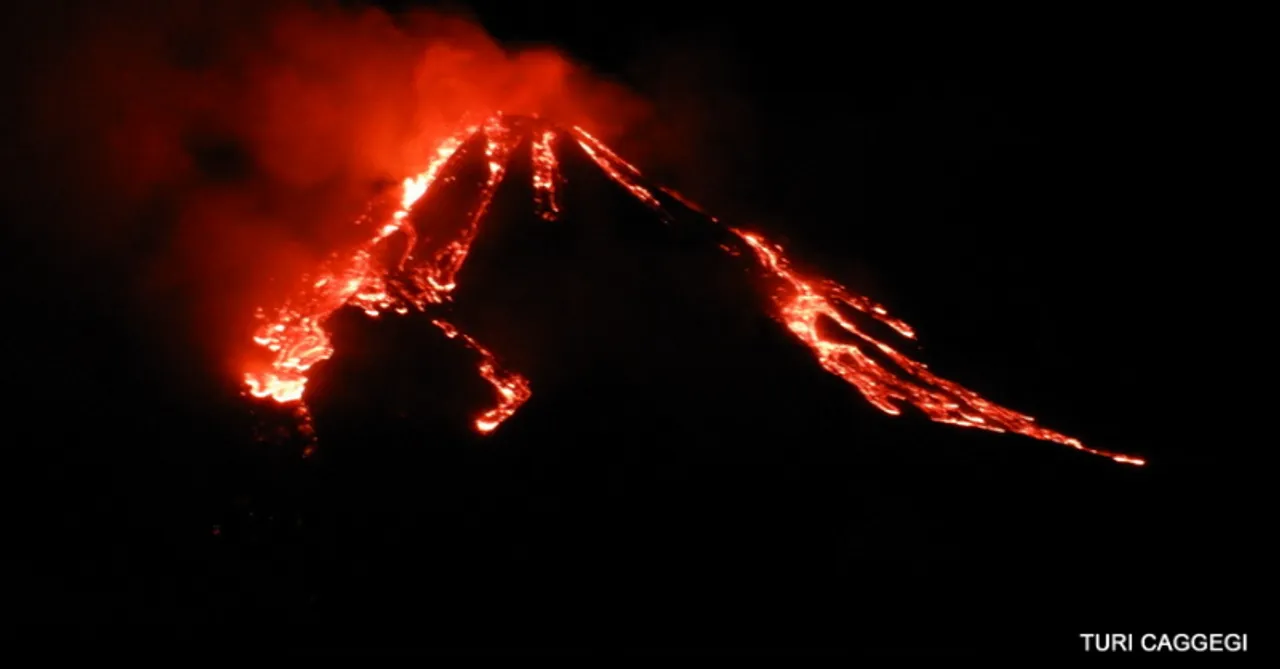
679	447
685	474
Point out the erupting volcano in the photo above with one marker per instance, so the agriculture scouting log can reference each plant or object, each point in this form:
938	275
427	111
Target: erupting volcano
402	270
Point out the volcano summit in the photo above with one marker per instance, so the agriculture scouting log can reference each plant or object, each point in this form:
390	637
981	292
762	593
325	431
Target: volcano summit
411	263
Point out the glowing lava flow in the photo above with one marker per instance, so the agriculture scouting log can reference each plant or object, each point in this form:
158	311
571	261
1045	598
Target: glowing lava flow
546	173
298	340
624	173
296	335
802	303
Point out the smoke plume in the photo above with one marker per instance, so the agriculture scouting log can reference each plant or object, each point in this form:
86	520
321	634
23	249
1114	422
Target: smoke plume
202	155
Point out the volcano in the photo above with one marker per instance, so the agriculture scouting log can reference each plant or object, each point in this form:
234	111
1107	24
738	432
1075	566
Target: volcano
416	260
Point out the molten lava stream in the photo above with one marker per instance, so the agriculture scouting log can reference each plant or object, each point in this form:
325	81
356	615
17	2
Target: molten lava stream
296	334
802	301
884	375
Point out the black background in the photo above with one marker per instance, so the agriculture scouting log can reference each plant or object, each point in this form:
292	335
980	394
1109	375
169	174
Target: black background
1035	194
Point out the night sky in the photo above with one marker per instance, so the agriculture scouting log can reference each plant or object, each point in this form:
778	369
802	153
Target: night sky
1030	192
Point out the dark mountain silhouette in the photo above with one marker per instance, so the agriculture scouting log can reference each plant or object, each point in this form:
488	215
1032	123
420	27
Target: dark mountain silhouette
684	473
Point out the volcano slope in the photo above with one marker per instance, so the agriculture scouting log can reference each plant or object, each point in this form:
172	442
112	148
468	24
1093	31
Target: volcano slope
837	325
684	464
684	474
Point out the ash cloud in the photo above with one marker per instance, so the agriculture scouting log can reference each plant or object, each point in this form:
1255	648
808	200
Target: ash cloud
200	156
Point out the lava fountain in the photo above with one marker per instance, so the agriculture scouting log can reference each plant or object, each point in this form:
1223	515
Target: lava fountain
418	280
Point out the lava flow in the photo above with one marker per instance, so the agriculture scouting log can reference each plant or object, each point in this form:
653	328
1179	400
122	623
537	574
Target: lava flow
886	377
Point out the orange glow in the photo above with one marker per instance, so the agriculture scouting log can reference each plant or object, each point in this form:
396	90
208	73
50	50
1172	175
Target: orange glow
886	377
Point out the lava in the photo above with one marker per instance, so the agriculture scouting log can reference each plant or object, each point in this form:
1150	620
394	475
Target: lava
622	172
885	376
803	302
296	334
513	389
546	173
